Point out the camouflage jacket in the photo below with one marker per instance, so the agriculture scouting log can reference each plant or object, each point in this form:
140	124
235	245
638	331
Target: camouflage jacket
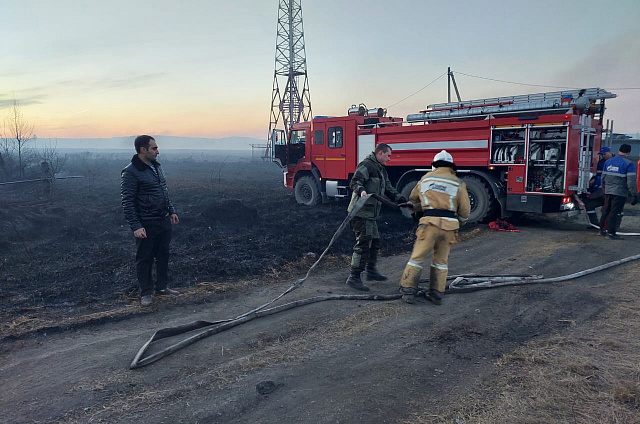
371	176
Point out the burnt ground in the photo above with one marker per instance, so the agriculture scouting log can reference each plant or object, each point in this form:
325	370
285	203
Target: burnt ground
72	252
71	323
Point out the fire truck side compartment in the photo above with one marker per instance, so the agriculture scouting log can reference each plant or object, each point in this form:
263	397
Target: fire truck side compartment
528	151
525	203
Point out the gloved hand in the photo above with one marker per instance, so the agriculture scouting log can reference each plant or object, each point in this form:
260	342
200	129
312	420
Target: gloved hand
634	200
406	205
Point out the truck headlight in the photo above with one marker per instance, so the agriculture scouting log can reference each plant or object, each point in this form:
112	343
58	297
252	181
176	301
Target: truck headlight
568	206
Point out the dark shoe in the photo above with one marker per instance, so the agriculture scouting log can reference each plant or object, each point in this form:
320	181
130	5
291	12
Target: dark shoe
435	296
355	282
613	236
373	274
167	291
408	294
602	233
146	301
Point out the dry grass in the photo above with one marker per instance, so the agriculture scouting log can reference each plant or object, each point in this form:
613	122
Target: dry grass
296	269
590	373
41	320
468	235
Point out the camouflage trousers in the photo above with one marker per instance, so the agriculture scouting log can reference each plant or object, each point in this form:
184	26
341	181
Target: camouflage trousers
365	251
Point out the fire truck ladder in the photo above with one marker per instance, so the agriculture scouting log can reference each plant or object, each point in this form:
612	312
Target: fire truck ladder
587	134
510	104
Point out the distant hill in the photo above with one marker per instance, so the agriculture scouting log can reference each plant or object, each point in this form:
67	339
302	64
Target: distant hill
165	142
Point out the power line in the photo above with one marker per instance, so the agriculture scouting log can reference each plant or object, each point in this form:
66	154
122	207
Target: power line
506	82
539	85
411	95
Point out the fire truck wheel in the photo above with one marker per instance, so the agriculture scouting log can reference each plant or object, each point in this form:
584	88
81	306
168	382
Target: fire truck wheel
479	197
307	191
406	190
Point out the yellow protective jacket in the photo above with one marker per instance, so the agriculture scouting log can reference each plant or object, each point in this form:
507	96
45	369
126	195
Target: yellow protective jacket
440	193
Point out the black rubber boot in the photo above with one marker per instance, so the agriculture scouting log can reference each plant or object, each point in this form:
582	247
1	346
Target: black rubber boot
355	282
373	274
435	296
408	294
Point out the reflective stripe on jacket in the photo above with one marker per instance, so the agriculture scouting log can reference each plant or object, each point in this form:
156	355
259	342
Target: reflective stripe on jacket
442	189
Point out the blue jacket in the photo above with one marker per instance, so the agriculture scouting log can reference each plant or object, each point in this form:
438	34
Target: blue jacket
597	182
619	176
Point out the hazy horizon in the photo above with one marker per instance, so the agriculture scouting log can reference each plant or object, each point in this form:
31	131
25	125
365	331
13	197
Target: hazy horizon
165	142
206	68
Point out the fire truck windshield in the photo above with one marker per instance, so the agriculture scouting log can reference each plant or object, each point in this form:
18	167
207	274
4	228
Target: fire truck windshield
298	137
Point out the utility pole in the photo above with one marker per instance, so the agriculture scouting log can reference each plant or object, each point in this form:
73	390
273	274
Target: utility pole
293	104
450	78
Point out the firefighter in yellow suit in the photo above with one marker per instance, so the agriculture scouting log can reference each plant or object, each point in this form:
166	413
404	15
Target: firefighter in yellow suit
442	200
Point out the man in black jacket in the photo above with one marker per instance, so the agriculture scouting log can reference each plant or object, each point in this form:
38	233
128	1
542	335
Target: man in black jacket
149	212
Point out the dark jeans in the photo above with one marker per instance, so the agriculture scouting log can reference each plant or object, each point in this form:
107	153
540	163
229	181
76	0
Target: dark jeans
155	246
612	210
591	205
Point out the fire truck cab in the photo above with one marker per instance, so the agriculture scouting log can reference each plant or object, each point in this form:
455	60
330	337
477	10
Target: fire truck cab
529	153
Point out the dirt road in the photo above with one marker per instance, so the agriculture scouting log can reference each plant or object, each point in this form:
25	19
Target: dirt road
331	362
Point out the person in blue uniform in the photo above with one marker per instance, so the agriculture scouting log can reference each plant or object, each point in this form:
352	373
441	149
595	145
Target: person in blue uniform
594	197
619	182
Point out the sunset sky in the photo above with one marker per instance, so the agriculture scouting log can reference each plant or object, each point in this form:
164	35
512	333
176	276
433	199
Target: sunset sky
205	68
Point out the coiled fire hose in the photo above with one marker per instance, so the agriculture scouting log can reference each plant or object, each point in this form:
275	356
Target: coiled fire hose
459	284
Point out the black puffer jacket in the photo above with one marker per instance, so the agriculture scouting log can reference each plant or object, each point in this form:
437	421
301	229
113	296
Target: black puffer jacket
144	193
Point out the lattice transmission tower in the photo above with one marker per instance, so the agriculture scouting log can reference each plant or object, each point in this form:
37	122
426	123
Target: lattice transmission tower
292	104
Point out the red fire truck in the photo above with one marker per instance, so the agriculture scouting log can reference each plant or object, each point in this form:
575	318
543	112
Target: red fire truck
527	153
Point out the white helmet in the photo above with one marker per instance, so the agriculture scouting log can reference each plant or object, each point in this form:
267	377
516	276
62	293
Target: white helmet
443	156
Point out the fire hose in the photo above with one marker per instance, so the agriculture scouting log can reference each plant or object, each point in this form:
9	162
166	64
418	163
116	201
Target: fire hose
584	209
459	284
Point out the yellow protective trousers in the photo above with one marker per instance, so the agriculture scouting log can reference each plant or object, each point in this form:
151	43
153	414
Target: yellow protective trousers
429	237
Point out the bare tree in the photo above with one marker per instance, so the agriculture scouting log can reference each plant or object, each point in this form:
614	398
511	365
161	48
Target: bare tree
6	146
18	132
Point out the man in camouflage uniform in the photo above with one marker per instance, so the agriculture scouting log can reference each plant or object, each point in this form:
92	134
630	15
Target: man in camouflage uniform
369	178
443	202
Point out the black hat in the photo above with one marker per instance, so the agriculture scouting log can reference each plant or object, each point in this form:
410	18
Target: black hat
624	148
